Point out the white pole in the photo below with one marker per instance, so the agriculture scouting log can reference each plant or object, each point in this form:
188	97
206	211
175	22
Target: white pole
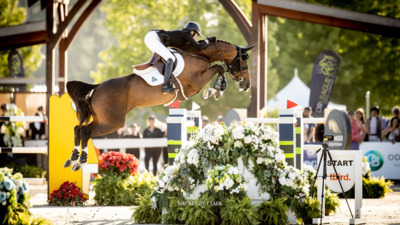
367	95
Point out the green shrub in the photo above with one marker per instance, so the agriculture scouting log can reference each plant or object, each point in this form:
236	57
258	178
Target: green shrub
201	211
237	211
332	202
308	209
145	213
373	187
116	190
273	212
28	171
173	214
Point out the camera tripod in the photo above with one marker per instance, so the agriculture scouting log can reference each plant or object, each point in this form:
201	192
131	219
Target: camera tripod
324	154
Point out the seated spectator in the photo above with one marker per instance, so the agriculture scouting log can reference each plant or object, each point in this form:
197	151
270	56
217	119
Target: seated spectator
390	133
374	125
204	121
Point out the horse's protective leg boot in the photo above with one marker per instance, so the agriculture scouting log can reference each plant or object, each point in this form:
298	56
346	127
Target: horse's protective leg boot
74	157
167	88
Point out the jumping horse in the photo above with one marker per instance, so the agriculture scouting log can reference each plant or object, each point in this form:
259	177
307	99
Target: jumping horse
108	103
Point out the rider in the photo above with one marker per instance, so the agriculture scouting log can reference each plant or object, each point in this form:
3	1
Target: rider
158	41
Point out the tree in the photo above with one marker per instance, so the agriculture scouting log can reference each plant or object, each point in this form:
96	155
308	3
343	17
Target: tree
369	62
11	15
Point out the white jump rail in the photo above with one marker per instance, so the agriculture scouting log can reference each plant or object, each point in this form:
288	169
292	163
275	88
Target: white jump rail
276	120
130	143
23	118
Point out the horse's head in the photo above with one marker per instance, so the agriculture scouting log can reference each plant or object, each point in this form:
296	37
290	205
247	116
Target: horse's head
235	58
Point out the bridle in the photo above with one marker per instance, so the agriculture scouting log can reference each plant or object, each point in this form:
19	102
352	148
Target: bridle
236	65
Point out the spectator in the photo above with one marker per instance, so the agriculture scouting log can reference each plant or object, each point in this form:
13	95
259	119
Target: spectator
37	130
391	131
165	150
205	121
356	129
152	153
219	120
374	125
134	133
360	116
309	128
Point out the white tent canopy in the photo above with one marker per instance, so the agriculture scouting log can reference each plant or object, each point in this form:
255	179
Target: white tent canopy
296	91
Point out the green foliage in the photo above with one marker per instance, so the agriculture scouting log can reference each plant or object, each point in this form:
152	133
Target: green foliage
13	198
238	211
39	221
144	213
332	202
273	211
11	15
28	171
174	212
115	190
373	187
200	211
308	209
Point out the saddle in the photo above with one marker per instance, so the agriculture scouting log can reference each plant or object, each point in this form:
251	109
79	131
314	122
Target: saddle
157	61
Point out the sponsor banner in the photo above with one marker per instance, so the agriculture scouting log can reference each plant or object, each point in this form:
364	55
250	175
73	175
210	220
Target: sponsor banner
383	158
310	158
324	73
344	162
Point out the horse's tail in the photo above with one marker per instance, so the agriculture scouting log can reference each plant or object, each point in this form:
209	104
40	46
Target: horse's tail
80	94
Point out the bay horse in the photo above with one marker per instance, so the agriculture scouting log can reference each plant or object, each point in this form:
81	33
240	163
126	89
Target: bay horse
109	102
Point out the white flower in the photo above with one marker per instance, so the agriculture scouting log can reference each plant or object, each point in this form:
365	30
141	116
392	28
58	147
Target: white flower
251	126
238	144
153	203
238	132
292	175
193	157
233	170
214	139
219	131
279	157
170	170
170	188
247	139
366	168
228	183
260	160
161	184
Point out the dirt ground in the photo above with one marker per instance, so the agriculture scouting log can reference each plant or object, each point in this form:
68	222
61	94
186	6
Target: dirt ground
375	211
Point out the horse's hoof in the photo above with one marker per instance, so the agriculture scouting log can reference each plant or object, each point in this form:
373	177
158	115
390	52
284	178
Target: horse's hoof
218	95
67	163
208	93
77	166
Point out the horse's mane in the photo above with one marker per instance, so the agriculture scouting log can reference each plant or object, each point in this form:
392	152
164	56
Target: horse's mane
225	42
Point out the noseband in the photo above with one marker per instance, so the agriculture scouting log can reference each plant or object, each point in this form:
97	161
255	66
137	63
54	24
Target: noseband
236	65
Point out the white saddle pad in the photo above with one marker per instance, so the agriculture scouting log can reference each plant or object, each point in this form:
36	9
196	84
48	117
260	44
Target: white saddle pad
154	78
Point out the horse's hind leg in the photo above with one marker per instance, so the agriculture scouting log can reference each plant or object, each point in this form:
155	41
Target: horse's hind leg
75	152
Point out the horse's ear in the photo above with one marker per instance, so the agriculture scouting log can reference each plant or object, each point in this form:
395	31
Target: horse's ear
245	49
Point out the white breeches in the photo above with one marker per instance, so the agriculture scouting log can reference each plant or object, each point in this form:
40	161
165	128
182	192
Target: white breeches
153	42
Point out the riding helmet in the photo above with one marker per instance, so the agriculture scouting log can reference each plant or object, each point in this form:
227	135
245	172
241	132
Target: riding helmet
193	26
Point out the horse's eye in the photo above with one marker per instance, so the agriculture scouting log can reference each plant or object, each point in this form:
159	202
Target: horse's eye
245	57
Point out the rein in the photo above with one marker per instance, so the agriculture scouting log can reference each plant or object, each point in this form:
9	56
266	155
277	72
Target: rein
231	67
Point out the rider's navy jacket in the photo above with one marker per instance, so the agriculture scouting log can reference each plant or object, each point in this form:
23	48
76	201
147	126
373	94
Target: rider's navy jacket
179	38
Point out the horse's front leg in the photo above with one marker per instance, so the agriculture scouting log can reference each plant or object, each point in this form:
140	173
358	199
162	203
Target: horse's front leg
220	83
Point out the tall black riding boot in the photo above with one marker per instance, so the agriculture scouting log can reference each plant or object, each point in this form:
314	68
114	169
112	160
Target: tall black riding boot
167	88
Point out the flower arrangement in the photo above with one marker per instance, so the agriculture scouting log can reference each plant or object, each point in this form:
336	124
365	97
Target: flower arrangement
226	179
67	195
13	131
118	164
13	197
